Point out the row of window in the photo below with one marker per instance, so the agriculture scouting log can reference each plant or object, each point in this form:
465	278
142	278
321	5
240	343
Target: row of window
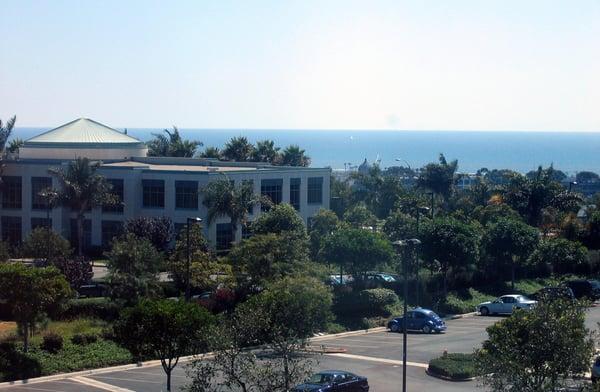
153	195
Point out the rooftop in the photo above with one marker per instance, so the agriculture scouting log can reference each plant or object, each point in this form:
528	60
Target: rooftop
178	167
82	131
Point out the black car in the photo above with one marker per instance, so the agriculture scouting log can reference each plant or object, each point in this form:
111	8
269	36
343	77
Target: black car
334	380
582	288
551	293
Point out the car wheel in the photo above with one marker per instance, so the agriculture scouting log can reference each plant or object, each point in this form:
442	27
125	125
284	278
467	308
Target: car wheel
484	311
394	327
426	329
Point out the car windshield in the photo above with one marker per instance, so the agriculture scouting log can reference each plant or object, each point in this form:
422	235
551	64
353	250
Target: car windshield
321	379
387	278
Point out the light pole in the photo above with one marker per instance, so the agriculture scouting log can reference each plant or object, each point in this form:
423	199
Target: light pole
431	207
410	243
49	195
571	184
419	210
187	272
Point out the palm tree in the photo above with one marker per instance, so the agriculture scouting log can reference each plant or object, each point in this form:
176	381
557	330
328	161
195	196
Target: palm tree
5	131
223	198
211	152
14	145
294	156
170	144
265	151
82	188
237	149
440	177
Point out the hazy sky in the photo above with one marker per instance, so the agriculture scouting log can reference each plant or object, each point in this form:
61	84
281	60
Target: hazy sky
481	64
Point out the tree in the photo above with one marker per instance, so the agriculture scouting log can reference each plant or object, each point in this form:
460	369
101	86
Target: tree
31	293
159	230
280	218
163	329
237	149
359	216
356	250
81	189
6	131
265	151
509	242
77	270
293	155
563	255
14	145
453	243
211	152
341	196
537	350
586	177
592	232
170	144
324	222
492	212
132	267
439	177
400	226
43	243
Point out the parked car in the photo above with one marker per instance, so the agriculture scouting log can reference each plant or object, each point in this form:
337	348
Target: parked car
554	293
584	288
334	380
380	277
505	305
424	320
596	370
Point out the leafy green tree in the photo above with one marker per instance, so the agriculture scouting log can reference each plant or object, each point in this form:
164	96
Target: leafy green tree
211	152
509	242
163	329
159	230
592	231
341	196
480	192
400	226
294	156
324	222
563	255
492	212
538	350
223	198
32	293
452	243
439	177
14	145
265	151
77	270
6	131
171	144
356	250
237	149
81	189
42	243
280	218
132	267
585	177
359	216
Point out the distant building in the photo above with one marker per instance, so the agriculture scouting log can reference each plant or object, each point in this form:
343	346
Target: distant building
148	186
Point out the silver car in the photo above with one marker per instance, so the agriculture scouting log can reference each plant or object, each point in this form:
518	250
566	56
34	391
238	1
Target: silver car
505	305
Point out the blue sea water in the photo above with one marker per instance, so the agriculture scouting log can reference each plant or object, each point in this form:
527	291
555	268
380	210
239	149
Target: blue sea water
520	151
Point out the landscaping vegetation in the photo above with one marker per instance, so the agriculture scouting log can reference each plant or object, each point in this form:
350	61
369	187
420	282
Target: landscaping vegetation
454	366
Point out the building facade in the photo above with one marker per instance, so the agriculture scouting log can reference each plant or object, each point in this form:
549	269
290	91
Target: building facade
147	186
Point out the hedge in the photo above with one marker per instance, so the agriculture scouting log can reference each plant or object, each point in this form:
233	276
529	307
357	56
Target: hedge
366	303
456	366
101	308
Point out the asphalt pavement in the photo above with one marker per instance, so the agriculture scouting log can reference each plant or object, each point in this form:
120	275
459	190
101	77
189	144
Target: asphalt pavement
376	355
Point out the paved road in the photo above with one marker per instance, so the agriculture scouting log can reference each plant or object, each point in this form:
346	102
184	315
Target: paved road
376	355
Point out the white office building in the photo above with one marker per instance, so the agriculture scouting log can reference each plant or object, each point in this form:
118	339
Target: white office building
147	186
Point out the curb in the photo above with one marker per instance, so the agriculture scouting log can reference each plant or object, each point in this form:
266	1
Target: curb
349	333
446	378
459	316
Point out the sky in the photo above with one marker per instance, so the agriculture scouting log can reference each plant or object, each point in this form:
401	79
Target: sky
410	65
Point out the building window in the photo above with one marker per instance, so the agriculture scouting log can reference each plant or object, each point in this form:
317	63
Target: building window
110	230
40	222
315	190
271	189
87	234
119	191
38	185
11	192
154	193
11	229
186	195
295	193
224	236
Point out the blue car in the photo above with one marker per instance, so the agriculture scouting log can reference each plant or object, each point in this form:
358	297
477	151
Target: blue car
418	319
334	380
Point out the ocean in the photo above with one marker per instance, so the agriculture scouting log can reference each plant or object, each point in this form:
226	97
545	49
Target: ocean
520	151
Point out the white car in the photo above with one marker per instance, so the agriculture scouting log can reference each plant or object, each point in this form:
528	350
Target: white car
505	305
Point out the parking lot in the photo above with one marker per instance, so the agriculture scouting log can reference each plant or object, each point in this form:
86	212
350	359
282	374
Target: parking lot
376	355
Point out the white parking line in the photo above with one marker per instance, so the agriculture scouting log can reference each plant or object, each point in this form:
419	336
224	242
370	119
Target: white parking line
99	384
127	379
38	389
380	360
161	374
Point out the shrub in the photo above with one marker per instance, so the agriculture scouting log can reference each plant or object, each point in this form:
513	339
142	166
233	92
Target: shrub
52	342
158	230
456	366
15	365
335	328
101	308
366	303
464	301
43	244
83	339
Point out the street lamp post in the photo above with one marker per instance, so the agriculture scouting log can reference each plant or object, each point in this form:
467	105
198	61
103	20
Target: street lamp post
571	184
419	210
410	243
431	207
187	272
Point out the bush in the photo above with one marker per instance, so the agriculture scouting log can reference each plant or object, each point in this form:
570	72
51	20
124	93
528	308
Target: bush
335	328
4	254
43	244
15	365
367	303
101	308
158	230
83	339
456	366
52	342
463	301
